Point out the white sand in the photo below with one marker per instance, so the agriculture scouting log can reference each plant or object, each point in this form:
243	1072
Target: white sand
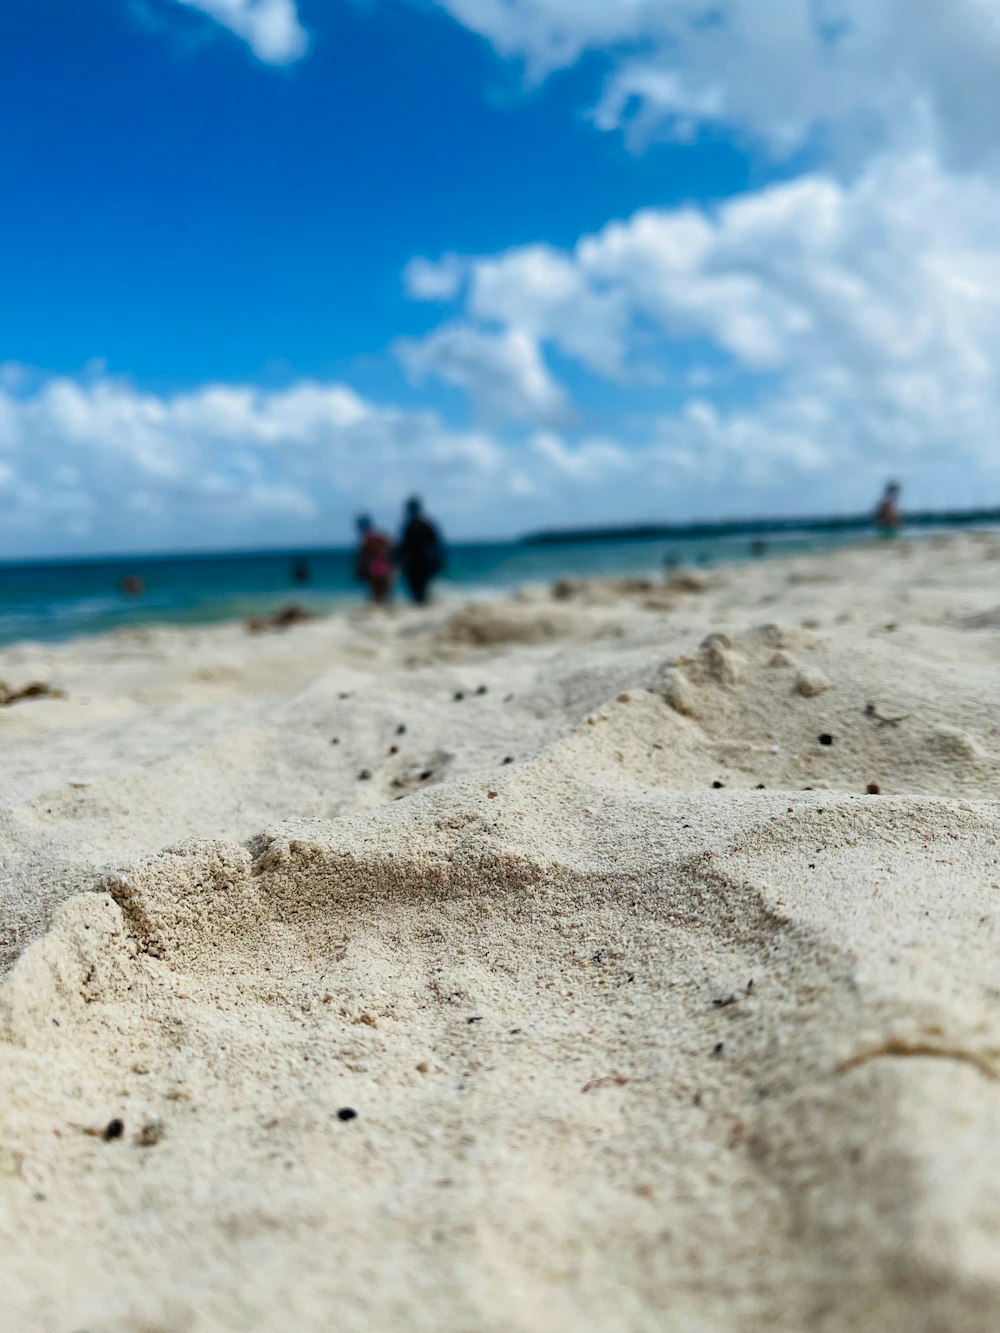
627	1051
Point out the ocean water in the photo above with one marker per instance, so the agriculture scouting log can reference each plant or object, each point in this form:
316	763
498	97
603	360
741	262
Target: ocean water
52	601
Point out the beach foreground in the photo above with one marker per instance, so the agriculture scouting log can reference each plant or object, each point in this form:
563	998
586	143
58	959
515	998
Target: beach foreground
648	931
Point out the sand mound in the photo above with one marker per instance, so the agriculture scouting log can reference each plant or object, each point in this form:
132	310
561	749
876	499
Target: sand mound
687	580
487	625
548	1035
735	713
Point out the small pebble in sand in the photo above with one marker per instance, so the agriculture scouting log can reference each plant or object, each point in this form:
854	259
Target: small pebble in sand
508	759
717	785
873	789
114	1130
394	749
150	1134
872	712
364	775
458	696
483	689
811	683
492	795
347	1113
401	729
825	738
334	740
761	787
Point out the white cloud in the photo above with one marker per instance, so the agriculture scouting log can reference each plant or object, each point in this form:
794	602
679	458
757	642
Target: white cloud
544	293
440	281
98	464
860	324
503	372
866	71
271	28
775	69
591	461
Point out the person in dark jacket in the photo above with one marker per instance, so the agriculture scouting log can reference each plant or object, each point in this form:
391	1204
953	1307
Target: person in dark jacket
420	554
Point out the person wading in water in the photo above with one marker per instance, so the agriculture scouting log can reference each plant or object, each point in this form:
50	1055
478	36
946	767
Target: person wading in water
888	518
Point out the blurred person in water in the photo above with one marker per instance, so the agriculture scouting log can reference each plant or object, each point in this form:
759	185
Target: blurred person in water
888	518
420	553
373	562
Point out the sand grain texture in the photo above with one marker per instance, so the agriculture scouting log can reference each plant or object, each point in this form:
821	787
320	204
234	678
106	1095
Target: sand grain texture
627	1049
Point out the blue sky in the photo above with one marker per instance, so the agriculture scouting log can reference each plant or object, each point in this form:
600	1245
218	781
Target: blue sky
267	263
186	213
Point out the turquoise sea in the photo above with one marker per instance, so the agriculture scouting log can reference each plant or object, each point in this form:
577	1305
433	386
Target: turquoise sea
49	601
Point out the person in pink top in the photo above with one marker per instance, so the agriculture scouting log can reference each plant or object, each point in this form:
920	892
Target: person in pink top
373	563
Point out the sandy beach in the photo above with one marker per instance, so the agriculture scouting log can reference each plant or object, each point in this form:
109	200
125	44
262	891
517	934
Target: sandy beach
621	956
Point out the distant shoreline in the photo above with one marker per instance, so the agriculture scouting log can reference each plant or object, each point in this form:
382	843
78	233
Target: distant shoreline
55	602
754	527
698	530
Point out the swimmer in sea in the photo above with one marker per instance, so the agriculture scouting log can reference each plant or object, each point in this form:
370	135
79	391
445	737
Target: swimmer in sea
888	518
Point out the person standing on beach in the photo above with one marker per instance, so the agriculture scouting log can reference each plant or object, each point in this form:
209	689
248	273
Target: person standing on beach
373	563
420	554
888	519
